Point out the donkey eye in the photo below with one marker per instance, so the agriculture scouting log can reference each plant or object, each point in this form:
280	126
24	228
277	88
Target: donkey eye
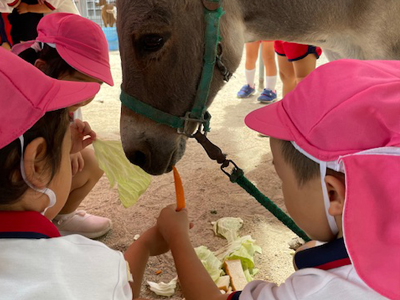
152	42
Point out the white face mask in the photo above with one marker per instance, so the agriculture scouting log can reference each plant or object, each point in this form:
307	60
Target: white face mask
46	191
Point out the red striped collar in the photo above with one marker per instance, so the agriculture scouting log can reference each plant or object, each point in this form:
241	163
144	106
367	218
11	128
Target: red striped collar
325	257
26	224
14	3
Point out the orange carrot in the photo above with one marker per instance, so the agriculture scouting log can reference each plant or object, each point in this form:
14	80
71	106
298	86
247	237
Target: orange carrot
180	195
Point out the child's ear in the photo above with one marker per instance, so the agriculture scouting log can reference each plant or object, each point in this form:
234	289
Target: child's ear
35	164
40	64
337	193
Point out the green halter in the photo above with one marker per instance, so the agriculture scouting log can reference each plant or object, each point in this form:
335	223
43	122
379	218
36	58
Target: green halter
199	114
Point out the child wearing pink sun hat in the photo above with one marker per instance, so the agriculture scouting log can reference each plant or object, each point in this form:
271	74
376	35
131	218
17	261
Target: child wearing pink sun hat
337	152
71	47
352	137
35	179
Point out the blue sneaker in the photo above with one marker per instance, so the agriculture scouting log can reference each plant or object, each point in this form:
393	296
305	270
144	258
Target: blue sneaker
246	91
267	96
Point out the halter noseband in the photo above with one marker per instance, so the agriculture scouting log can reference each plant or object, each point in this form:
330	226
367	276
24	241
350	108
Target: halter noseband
212	57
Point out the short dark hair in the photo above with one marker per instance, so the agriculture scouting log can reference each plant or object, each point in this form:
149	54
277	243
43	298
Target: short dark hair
55	64
304	168
52	127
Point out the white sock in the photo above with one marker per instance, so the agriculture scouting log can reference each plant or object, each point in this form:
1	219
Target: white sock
270	82
250	74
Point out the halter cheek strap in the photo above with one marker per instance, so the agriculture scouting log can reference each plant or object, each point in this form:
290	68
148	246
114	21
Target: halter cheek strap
46	191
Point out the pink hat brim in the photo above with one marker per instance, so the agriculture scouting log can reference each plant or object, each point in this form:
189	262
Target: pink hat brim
24	101
270	120
79	62
18	48
86	65
69	93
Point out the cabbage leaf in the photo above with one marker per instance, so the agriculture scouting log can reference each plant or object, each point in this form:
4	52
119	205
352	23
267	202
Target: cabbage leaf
132	181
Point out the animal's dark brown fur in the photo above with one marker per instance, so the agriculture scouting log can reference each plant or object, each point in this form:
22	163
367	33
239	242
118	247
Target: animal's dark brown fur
167	78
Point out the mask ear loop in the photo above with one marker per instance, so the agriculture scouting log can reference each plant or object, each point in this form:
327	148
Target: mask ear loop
322	170
46	191
331	219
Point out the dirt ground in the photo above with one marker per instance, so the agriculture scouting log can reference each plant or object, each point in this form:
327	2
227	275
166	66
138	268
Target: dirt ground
207	189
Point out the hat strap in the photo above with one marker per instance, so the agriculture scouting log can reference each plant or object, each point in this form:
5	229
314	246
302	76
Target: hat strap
322	170
37	46
327	202
46	191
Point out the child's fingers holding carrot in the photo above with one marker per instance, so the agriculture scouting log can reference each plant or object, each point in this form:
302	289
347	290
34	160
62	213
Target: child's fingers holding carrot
172	223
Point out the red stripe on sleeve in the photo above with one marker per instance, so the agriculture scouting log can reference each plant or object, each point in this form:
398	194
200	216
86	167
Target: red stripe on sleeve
14	3
49	5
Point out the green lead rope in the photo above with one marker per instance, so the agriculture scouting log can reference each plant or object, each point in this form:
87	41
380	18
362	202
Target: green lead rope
238	177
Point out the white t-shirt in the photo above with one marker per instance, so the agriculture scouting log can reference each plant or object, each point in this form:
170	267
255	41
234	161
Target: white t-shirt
63	268
313	284
64	6
6	6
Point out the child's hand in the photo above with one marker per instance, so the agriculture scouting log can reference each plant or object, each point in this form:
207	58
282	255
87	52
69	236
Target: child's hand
154	241
80	130
23	8
171	223
77	163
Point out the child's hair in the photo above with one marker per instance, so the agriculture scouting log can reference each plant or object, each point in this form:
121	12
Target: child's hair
304	168
52	127
55	65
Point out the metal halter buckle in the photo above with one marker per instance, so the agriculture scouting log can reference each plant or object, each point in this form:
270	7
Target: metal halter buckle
203	122
211	5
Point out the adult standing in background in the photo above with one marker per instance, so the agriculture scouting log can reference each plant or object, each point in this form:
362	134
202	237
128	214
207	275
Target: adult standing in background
49	6
24	22
26	14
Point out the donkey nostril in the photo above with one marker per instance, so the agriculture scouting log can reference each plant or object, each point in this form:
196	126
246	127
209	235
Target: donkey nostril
138	158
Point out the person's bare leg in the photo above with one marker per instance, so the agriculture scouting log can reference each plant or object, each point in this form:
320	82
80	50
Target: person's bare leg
250	70
6	46
304	66
83	182
251	55
73	221
287	75
268	56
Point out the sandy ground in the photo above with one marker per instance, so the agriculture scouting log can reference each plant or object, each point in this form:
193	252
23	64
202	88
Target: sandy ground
207	189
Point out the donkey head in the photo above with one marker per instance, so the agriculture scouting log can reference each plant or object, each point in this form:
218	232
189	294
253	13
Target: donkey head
161	48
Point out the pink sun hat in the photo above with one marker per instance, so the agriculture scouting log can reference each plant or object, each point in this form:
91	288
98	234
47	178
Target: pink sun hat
345	115
79	41
27	94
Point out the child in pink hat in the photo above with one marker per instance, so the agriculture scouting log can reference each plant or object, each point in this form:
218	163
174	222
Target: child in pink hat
70	47
337	152
35	179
